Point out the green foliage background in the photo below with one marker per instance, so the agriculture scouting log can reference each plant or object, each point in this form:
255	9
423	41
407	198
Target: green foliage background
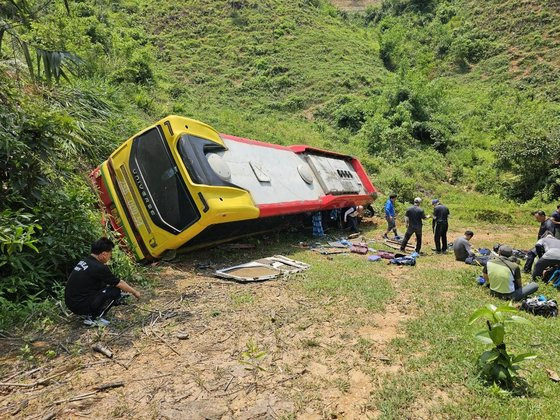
454	98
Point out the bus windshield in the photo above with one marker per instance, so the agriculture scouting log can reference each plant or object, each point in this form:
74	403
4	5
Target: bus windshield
157	177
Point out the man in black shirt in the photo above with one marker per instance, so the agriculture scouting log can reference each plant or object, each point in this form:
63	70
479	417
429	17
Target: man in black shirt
413	218
546	225
440	225
555	217
92	288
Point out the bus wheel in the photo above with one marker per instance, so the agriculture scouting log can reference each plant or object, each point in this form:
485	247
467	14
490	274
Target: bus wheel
169	255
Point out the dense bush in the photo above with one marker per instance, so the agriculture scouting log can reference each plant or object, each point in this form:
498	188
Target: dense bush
533	159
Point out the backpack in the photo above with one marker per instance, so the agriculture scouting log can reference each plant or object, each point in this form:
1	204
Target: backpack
403	261
546	308
359	249
552	275
386	255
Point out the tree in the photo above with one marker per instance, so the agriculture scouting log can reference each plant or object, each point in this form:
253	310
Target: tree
16	16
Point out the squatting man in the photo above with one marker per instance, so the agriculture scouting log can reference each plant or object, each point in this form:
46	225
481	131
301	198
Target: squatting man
92	289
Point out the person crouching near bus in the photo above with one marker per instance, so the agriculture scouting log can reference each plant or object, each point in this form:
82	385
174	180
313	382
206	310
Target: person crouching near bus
352	217
503	276
92	289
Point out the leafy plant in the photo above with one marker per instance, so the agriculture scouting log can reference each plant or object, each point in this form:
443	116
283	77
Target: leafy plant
252	358
496	364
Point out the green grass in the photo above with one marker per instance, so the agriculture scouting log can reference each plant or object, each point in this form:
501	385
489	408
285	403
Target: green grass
350	276
439	352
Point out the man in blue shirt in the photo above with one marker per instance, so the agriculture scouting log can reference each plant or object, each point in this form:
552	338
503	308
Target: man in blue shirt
390	216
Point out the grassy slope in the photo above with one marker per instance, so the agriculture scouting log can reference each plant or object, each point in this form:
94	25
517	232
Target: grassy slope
270	98
234	70
439	376
262	69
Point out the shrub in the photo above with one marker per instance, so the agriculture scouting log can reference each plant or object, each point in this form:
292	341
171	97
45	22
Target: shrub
533	157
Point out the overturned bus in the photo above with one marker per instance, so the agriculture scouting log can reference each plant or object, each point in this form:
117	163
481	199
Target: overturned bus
179	184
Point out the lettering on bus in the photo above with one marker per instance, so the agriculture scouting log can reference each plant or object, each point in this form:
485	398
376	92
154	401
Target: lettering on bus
143	192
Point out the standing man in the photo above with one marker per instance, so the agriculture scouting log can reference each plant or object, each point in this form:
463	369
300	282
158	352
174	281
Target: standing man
546	225
390	216
504	277
440	226
92	289
462	246
413	219
556	220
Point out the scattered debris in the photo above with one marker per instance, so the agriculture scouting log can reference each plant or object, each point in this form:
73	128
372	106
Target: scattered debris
332	251
386	255
44	381
336	244
96	390
182	336
359	249
105	351
392	243
553	375
262	269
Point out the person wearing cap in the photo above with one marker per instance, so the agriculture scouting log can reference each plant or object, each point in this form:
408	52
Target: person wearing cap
462	246
390	216
440	226
503	277
546	225
413	219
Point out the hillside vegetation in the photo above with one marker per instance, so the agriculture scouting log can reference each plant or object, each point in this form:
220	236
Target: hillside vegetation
458	98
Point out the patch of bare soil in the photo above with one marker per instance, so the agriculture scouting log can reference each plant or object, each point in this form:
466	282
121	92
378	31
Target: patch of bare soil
204	348
354	5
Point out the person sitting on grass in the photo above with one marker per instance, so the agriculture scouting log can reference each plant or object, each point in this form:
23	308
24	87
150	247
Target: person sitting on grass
92	289
503	276
462	246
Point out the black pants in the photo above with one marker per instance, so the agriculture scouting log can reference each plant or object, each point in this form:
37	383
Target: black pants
104	300
353	223
408	235
440	236
531	255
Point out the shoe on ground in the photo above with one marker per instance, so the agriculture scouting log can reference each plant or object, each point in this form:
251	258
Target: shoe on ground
385	236
97	322
397	237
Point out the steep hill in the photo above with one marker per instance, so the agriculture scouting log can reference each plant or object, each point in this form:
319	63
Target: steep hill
442	97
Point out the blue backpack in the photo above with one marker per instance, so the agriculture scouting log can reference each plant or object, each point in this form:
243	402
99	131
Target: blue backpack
555	278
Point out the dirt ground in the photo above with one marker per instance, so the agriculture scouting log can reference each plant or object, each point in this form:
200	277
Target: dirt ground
196	356
205	348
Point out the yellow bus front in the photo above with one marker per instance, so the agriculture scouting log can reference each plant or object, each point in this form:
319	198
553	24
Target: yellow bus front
164	191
